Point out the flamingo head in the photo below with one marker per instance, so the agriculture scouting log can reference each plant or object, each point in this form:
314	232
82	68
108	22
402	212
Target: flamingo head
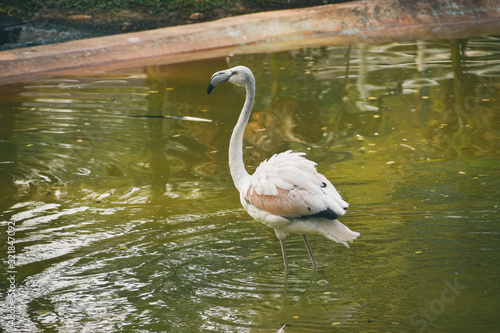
239	75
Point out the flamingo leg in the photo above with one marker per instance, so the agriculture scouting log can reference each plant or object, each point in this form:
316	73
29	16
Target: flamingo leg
310	251
285	259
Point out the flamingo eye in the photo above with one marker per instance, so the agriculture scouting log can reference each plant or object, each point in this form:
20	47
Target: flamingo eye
323	184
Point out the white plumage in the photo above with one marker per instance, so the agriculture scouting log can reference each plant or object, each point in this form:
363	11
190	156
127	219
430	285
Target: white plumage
286	192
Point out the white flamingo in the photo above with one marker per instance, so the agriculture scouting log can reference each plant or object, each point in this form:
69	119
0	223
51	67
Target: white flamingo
286	192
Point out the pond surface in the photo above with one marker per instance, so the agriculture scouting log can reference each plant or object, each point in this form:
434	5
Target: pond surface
114	223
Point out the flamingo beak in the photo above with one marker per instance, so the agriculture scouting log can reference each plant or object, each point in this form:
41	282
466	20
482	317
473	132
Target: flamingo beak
219	77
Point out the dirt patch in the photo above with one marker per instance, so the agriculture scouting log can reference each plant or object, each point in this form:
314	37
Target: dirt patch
130	20
50	26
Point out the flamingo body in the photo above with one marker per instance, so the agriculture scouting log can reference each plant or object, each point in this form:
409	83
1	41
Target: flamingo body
286	192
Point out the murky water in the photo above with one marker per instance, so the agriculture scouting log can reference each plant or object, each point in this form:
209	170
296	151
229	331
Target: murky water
112	223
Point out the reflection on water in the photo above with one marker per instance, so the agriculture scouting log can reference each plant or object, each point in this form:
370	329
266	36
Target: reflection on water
133	224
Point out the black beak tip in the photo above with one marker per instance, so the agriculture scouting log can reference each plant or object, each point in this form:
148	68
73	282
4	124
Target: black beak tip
210	88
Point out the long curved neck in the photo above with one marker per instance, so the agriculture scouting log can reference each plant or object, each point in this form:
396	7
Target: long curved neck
236	165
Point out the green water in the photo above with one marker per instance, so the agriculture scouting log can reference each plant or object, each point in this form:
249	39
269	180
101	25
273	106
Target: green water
122	224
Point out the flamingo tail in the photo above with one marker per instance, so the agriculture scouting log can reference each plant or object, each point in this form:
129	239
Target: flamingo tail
337	232
331	229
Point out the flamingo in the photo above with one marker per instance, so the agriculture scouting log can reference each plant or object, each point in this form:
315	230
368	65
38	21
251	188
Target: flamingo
286	192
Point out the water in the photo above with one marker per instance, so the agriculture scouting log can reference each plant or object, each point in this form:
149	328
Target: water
111	223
